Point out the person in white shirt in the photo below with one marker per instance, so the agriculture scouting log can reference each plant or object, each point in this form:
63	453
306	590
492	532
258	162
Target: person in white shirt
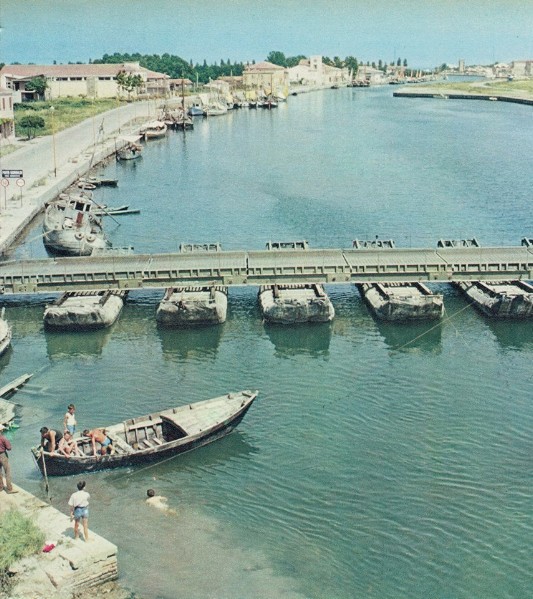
69	421
79	510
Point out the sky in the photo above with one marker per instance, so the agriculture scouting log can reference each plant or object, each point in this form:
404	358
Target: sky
425	32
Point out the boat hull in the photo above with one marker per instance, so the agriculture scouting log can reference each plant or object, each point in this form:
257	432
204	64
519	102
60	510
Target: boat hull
61	466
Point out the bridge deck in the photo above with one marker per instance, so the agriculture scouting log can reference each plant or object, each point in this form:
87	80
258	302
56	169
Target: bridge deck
266	267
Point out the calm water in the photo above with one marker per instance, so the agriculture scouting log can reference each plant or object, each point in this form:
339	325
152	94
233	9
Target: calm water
379	460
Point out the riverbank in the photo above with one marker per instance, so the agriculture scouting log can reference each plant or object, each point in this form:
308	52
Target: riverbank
70	567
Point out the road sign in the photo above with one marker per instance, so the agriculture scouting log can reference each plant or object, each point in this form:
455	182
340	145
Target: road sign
20	182
4	182
12	173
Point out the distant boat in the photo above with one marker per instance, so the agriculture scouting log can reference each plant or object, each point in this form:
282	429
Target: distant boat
215	108
153	130
154	437
85	182
5	333
71	227
195	110
115	211
131	149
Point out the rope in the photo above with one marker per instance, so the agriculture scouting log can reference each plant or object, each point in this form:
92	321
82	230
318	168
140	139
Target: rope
448	319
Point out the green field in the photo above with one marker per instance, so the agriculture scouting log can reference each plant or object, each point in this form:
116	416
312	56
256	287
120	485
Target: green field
66	112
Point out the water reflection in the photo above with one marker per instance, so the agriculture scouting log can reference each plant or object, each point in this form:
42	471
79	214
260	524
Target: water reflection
69	344
179	345
512	334
422	336
308	339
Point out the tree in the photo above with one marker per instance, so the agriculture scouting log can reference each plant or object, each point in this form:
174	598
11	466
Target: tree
38	85
399	62
129	82
293	61
405	62
31	123
276	57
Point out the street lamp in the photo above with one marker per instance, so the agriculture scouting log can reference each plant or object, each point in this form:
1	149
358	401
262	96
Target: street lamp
52	109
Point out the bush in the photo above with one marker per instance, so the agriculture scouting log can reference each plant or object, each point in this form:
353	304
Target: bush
19	537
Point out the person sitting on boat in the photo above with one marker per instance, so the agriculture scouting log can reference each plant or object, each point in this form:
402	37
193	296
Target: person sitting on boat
68	446
98	435
50	439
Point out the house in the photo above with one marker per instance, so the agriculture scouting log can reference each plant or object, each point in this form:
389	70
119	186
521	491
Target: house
7	127
87	80
176	86
313	72
271	78
522	68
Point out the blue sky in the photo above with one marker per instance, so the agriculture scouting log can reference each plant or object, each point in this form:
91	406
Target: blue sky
425	32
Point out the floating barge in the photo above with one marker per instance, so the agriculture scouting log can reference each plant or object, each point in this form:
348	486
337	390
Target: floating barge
84	310
500	299
289	304
191	306
402	301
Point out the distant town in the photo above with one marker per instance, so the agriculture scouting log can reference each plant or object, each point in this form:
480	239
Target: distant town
128	77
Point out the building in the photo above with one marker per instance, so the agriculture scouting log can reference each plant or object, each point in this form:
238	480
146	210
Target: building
266	76
313	72
522	68
7	117
86	80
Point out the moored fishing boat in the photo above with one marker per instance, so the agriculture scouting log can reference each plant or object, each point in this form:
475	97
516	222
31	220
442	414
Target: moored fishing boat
131	148
154	437
153	130
71	227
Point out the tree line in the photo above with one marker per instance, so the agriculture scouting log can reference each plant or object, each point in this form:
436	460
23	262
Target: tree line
178	68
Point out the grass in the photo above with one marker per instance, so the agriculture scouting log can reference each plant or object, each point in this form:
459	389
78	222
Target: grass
522	88
19	537
67	112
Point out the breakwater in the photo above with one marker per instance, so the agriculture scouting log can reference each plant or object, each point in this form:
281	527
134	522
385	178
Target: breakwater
444	95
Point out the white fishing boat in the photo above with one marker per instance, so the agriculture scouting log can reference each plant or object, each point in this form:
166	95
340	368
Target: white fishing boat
5	333
71	227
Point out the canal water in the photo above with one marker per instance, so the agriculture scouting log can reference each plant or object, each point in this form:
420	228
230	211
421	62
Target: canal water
385	461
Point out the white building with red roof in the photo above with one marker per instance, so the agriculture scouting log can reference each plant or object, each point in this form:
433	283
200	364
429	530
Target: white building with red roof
266	76
86	80
7	116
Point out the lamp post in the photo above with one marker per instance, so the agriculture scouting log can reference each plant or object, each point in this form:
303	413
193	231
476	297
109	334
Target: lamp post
52	109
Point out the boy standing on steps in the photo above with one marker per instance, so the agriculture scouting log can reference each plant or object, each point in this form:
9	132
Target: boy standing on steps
79	510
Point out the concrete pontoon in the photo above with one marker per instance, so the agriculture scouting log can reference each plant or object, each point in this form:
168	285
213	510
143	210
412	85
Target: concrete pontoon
191	306
500	299
5	333
382	244
84	310
402	301
289	304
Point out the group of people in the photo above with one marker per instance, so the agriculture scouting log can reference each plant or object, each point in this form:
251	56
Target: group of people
64	443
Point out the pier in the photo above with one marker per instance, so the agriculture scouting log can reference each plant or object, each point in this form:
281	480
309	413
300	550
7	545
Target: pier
266	267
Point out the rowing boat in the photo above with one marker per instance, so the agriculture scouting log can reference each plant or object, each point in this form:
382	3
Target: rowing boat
154	437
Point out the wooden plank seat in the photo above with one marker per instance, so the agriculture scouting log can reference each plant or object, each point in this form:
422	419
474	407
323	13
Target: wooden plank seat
120	445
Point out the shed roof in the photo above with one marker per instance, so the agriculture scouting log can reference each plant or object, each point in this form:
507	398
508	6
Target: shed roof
76	70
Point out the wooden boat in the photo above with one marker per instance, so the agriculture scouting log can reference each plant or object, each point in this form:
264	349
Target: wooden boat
154	437
5	333
86	182
131	148
115	210
290	304
500	299
402	301
192	306
84	310
71	227
153	130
